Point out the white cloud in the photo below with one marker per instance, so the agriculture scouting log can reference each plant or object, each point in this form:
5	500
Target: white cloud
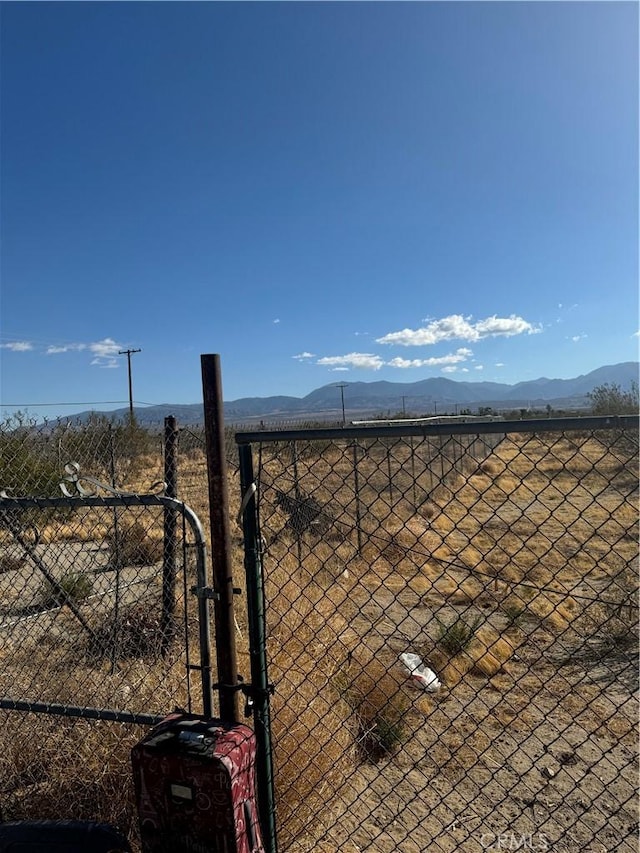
505	327
54	350
105	348
464	369
105	352
406	362
369	361
339	369
577	338
458	327
17	346
479	367
361	334
450	369
363	360
106	362
636	334
277	320
461	354
499	364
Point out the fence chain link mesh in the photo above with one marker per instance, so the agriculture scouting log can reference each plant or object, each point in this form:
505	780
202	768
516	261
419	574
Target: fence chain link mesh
507	561
98	624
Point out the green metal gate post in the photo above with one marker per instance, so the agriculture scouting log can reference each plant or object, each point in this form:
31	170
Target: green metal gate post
258	651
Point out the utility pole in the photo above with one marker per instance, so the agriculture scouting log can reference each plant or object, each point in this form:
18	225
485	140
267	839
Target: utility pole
404	411
129	353
342	386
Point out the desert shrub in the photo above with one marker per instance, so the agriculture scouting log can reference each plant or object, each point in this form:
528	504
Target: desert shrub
105	448
28	461
379	705
72	586
429	510
11	563
513	612
305	513
457	636
611	399
489	467
134	632
613	630
620	633
131	544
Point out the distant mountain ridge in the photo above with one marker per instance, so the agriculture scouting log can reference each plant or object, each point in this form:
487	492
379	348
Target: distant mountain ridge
422	397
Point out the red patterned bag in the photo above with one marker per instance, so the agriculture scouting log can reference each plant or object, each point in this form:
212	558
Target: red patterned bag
195	791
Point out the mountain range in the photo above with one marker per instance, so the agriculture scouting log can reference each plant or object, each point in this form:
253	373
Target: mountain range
425	397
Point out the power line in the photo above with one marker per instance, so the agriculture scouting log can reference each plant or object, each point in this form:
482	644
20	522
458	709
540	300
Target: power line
81	403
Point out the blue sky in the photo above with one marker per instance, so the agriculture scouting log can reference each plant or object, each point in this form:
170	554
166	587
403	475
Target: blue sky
319	192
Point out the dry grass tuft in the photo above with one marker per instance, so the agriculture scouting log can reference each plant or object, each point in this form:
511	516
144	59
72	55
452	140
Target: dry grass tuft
482	652
135	632
490	467
556	611
73	586
53	768
456	637
131	544
9	563
314	746
376	694
429	510
489	651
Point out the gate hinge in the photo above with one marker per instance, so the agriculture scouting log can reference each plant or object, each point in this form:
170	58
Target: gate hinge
205	592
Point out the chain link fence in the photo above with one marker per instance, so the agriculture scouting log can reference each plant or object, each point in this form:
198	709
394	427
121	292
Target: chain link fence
504	556
100	632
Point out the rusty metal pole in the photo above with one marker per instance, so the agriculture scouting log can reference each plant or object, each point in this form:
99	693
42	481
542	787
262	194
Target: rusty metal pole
220	537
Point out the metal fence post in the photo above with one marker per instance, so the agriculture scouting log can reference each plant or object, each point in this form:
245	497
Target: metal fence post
117	560
413	472
169	539
356	488
220	537
258	653
294	457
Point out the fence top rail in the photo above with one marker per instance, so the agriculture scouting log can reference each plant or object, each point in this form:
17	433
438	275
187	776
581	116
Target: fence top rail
94	501
607	422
